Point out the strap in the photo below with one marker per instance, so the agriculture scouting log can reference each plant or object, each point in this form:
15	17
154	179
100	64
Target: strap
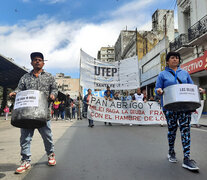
177	77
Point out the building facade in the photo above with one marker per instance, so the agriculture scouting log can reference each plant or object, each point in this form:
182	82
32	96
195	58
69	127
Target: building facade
67	85
126	38
192	40
139	43
163	23
106	54
152	64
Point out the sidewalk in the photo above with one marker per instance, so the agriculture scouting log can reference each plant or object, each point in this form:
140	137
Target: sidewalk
10	148
203	120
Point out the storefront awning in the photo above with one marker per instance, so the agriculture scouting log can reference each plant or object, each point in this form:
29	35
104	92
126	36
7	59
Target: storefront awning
10	73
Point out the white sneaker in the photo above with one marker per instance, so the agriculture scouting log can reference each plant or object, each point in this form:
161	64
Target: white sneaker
51	160
23	167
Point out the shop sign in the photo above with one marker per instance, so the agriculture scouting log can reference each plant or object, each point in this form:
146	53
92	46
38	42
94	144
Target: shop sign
196	65
163	61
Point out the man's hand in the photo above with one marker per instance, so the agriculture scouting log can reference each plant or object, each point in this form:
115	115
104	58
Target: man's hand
159	91
52	97
12	94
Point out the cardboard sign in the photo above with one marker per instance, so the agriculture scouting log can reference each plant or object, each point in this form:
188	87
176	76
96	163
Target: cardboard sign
28	98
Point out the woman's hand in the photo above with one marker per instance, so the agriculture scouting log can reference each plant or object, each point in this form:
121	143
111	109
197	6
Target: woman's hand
12	94
52	97
159	91
201	90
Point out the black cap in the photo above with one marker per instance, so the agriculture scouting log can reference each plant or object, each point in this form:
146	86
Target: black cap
36	54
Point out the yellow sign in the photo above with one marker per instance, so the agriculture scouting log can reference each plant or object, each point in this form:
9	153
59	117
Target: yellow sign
162	61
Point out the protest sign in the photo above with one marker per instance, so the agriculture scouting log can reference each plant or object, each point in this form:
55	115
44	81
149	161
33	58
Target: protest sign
130	112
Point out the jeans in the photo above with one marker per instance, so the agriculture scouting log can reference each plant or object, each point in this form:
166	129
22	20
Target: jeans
26	138
73	113
90	122
67	113
62	114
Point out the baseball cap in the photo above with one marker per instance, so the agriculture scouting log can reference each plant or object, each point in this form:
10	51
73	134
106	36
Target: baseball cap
36	54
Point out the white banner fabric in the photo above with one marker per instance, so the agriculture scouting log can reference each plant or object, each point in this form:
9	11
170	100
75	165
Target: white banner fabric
119	75
130	112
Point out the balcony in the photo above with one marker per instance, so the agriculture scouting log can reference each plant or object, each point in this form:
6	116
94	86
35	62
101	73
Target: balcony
196	35
197	31
179	41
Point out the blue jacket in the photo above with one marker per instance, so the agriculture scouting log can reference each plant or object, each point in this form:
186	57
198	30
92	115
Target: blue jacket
105	92
165	79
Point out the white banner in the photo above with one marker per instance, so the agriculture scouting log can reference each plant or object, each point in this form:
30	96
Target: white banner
96	74
130	112
27	98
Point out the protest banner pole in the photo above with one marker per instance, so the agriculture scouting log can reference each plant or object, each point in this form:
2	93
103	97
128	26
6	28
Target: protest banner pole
79	95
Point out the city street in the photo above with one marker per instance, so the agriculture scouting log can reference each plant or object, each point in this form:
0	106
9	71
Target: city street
134	67
120	152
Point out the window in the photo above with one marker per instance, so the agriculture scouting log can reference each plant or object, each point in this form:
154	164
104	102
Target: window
187	21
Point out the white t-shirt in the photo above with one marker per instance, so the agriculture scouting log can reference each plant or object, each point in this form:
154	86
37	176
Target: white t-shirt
139	97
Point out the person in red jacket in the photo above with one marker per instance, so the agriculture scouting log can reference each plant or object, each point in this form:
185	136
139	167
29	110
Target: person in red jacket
6	112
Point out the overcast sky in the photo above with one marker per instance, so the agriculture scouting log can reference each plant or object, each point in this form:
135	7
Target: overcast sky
59	28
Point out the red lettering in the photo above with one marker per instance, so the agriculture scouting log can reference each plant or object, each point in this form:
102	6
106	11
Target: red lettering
115	111
107	116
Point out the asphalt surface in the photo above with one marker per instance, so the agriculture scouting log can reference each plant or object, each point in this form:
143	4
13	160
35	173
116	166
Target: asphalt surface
120	153
10	148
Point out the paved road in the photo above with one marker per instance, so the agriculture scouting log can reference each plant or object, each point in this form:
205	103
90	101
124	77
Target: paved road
120	153
10	148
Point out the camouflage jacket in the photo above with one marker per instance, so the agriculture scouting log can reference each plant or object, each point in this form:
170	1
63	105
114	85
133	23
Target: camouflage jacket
45	82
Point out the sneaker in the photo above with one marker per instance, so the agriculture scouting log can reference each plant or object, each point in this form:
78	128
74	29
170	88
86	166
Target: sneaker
172	158
25	165
190	164
51	159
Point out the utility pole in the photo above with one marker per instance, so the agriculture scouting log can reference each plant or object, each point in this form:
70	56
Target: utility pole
165	25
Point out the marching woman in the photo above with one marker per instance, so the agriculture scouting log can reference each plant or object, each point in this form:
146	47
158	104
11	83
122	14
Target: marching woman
173	74
56	105
86	103
108	96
